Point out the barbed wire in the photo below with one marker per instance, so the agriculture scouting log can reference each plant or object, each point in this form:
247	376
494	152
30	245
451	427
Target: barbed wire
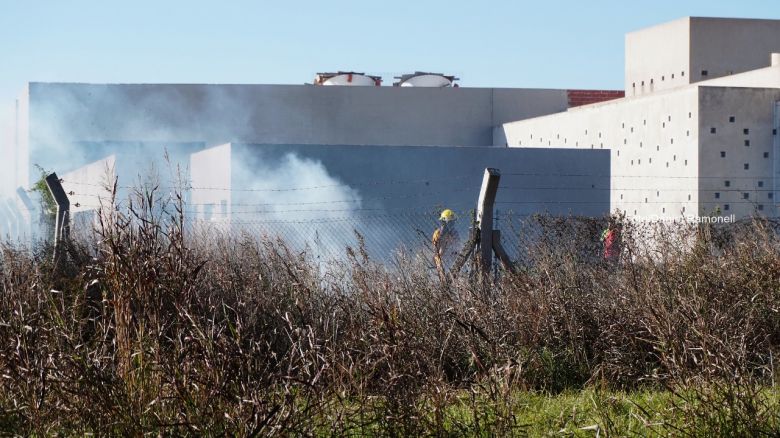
428	181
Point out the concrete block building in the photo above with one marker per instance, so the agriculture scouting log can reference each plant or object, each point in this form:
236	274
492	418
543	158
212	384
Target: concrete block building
696	134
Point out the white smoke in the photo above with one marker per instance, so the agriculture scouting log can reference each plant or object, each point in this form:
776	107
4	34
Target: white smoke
293	198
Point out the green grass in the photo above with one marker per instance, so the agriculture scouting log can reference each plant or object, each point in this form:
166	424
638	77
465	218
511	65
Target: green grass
585	413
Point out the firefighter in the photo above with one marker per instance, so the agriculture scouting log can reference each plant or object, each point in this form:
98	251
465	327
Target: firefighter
445	240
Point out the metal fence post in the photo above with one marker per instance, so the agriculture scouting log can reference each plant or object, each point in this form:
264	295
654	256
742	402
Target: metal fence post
62	223
487	198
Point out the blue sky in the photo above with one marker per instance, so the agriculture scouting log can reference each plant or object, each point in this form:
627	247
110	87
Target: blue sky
555	44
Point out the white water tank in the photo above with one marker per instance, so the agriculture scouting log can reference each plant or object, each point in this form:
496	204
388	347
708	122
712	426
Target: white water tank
427	80
349	79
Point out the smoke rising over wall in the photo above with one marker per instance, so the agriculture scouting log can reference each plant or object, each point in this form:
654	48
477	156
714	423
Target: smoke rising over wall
286	137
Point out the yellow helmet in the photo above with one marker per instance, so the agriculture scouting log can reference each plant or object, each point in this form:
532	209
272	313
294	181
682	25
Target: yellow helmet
447	215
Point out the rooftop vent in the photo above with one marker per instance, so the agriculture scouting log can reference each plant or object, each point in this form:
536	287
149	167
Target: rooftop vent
348	78
424	79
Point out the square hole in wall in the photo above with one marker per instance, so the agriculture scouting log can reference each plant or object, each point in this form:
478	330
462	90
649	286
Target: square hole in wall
746	131
717	195
727	183
712	130
723	154
747	166
732	119
726	207
747	142
746	196
705	73
761	184
766	154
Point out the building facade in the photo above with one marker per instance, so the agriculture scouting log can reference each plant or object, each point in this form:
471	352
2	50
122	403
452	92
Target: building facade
681	145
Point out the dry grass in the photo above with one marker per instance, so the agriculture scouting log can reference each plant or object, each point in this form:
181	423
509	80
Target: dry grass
148	330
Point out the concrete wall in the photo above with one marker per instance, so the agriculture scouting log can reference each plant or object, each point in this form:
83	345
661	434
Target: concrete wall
653	142
768	77
725	46
694	49
737	131
210	170
391	194
658	57
695	150
22	164
61	114
87	185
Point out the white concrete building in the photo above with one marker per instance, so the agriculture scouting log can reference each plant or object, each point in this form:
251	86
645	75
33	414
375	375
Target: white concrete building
683	144
61	126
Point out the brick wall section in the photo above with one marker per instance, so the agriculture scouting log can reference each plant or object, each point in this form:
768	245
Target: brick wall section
585	97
